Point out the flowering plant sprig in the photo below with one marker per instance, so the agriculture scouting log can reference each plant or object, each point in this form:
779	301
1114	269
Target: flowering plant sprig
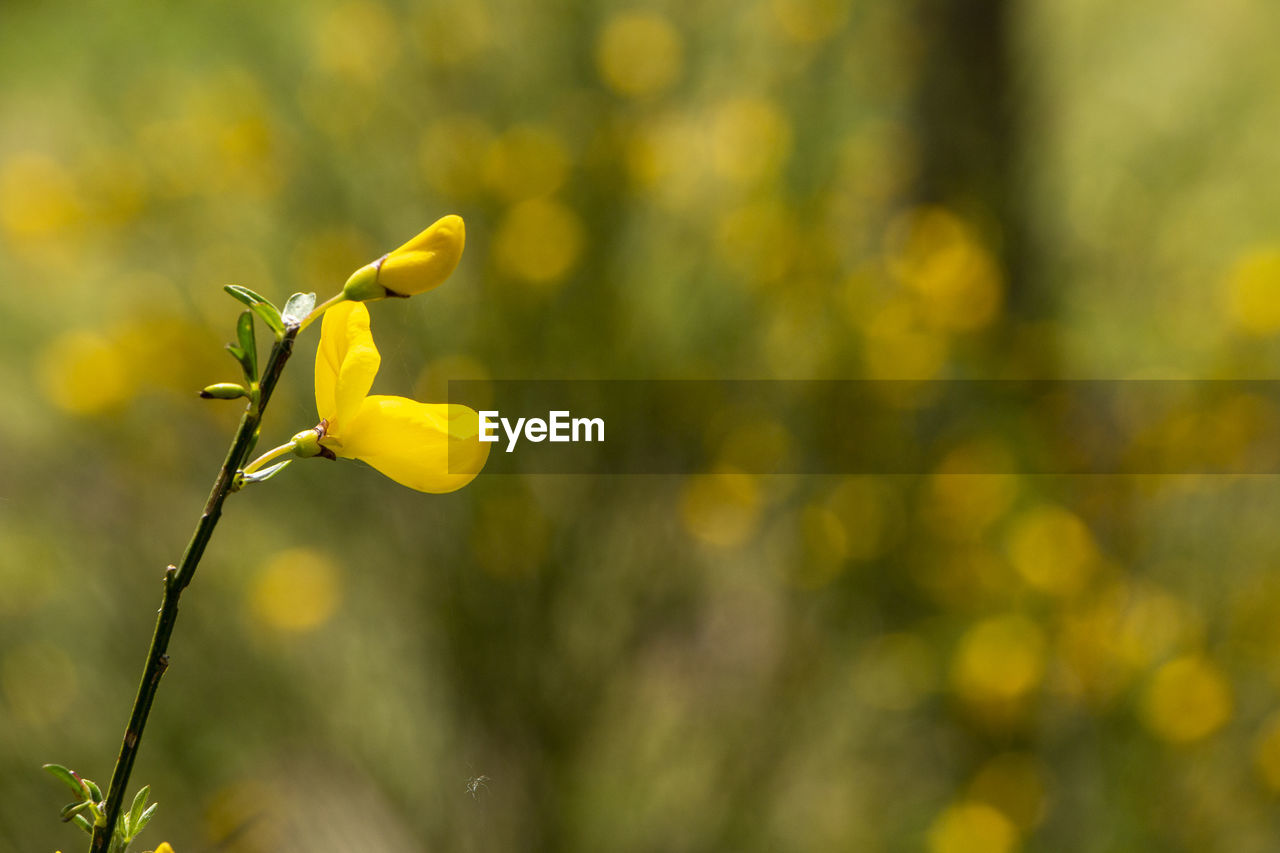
429	447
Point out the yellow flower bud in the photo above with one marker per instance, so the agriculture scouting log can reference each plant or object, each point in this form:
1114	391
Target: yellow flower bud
416	267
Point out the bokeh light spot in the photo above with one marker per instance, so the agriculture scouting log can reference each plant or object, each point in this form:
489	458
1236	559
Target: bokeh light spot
750	138
358	40
1186	700
38	197
297	590
527	161
84	373
758	241
999	660
448	154
898	347
962	501
972	828
721	509
538	241
939	257
639	54
1052	549
1253	289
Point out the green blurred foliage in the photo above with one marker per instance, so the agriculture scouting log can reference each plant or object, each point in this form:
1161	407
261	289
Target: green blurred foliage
697	190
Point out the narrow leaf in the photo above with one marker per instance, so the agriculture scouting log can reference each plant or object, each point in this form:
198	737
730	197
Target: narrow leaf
261	306
297	308
70	810
83	822
266	473
139	803
144	819
244	334
94	790
270	315
243	357
245	295
68	778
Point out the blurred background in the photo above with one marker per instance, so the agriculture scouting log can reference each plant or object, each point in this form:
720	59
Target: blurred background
762	189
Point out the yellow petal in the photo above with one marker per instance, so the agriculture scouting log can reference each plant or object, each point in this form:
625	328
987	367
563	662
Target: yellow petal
164	848
431	447
346	363
425	261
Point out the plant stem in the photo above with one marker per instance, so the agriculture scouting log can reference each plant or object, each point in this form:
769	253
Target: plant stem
176	579
271	455
323	307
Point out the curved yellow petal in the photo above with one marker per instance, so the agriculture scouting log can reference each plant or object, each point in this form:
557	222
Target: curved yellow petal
431	447
164	848
346	363
425	261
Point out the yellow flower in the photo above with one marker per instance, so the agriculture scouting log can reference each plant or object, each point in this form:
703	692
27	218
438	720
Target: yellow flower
431	447
164	848
416	267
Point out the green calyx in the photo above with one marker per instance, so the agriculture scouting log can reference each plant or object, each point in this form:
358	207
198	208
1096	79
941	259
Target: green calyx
363	285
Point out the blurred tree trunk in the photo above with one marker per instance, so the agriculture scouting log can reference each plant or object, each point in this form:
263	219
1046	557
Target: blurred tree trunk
967	113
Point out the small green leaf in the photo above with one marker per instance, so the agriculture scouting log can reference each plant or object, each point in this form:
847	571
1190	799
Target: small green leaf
70	810
297	308
144	819
260	305
68	778
245	295
271	316
244	334
83	822
94	790
243	357
135	811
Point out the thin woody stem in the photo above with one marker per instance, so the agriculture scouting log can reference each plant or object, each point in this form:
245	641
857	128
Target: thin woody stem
176	579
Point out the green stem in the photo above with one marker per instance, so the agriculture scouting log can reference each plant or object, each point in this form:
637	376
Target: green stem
271	455
323	307
176	579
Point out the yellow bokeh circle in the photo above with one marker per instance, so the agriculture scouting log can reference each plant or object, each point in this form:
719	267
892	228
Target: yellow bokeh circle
1052	549
639	54
538	241
1253	290
1186	700
972	828
721	509
297	590
999	660
84	373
